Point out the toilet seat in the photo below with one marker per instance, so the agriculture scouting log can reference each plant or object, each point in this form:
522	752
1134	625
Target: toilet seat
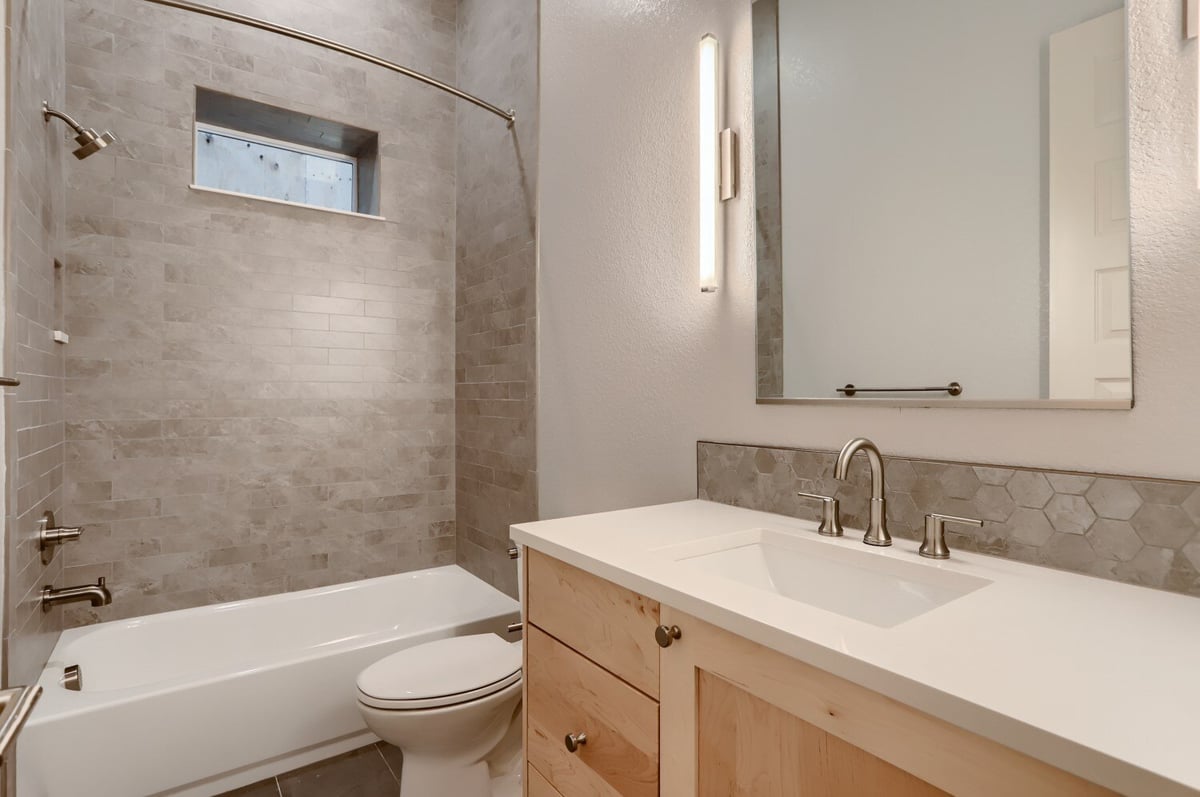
446	672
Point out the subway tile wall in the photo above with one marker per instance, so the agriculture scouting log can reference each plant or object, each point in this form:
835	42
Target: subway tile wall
1123	528
496	484
33	412
259	398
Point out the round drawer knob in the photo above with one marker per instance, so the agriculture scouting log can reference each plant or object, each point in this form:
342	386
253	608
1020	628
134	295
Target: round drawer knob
575	741
664	635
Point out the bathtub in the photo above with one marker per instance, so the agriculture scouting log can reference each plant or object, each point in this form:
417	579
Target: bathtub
199	701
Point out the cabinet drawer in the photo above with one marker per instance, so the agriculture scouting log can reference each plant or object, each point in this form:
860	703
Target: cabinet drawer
570	695
538	786
608	624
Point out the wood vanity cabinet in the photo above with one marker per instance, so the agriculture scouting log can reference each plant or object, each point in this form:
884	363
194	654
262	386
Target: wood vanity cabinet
716	715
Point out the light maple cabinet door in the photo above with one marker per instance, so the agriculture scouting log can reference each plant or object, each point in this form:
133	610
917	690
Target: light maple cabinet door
738	719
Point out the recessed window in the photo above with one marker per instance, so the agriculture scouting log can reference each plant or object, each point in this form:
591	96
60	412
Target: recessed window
251	149
233	161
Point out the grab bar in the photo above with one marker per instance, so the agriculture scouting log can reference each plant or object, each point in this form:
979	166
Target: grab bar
8	381
954	389
16	705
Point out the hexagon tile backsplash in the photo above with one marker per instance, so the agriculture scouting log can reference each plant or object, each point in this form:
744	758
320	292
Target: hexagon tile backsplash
1141	531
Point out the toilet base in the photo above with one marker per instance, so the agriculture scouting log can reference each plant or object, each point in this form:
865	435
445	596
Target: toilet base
422	776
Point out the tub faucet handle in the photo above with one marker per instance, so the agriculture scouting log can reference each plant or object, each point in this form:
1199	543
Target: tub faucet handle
51	535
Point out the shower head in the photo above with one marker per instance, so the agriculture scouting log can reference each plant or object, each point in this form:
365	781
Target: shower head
90	142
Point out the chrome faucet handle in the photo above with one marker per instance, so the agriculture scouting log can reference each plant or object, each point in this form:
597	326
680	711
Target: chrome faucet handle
934	545
831	517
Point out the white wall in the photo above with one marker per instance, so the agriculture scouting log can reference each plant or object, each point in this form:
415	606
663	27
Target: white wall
914	191
636	364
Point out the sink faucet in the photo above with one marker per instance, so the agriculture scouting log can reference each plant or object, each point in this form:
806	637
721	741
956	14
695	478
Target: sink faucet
877	533
97	594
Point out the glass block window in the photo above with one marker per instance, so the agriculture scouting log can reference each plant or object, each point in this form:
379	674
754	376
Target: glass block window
244	163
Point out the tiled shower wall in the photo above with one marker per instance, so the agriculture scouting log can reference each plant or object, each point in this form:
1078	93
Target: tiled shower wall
494	319
33	419
1140	531
259	398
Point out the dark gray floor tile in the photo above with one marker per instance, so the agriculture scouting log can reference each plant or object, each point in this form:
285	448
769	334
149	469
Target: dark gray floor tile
393	756
360	773
264	788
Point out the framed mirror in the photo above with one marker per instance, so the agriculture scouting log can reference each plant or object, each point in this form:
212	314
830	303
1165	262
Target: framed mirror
942	196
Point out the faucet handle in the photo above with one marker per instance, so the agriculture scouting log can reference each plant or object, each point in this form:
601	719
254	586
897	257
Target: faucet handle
51	535
934	545
831	518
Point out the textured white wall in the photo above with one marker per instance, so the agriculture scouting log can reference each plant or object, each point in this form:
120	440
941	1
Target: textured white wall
636	364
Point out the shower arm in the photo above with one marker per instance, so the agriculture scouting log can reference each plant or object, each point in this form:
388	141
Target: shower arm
48	113
509	116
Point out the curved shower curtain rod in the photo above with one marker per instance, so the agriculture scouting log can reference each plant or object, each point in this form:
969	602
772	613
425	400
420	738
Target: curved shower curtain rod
510	116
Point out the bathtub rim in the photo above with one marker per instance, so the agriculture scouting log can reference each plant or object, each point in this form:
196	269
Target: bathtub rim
59	702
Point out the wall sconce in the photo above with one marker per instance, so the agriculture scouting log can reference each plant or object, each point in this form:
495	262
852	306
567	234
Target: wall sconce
718	164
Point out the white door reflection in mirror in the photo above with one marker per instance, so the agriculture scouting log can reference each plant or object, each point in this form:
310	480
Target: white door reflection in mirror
1089	212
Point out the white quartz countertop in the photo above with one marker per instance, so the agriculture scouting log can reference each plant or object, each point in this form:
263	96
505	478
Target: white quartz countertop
1097	678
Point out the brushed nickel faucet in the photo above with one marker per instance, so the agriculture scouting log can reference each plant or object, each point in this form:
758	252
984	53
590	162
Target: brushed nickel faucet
877	533
97	594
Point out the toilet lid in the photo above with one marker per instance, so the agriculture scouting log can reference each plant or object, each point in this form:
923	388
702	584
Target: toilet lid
440	673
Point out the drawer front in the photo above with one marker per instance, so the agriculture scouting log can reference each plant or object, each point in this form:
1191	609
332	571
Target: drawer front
609	624
570	695
538	786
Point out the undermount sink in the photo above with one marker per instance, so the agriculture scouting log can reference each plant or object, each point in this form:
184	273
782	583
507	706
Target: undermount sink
858	584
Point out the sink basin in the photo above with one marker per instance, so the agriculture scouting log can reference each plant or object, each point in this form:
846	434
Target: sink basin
864	586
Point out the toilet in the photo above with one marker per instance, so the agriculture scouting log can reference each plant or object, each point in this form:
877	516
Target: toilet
446	704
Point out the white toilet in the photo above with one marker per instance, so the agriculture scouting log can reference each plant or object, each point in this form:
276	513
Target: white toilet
447	704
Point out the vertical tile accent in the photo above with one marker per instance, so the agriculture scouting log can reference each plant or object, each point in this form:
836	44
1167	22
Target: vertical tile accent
769	198
495	483
33	412
259	398
1123	528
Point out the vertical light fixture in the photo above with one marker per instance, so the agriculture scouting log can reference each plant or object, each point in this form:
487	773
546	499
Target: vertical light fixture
709	198
718	165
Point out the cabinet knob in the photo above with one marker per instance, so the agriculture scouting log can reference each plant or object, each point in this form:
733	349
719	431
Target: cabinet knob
574	741
665	635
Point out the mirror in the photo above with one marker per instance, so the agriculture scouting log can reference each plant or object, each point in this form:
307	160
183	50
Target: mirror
942	199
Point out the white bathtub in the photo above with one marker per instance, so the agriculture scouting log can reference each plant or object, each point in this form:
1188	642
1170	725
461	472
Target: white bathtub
199	701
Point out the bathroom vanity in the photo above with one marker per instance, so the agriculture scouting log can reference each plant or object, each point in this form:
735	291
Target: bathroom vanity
698	648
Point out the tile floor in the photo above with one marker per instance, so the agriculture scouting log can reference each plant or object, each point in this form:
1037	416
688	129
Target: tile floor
372	771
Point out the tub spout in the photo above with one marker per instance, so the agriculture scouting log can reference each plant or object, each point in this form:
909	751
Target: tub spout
96	594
